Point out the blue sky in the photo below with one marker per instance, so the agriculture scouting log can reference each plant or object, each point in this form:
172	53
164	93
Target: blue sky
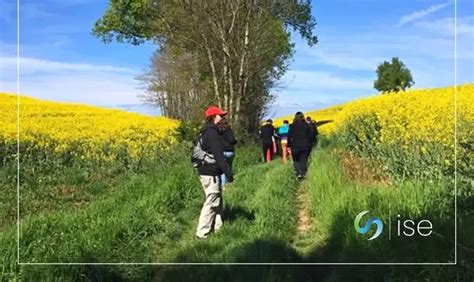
61	61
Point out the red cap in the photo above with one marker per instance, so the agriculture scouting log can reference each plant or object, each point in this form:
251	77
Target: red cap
213	110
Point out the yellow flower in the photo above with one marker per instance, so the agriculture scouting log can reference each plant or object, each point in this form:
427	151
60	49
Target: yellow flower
425	115
84	131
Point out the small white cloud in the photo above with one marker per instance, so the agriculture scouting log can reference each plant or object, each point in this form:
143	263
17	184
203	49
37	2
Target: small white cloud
34	11
445	26
422	13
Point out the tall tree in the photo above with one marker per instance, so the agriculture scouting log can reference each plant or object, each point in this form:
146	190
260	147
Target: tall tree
242	46
393	76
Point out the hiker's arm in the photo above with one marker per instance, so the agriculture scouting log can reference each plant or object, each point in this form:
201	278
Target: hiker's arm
311	134
216	149
290	133
232	139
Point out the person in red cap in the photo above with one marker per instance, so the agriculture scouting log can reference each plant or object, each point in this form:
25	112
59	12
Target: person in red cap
210	218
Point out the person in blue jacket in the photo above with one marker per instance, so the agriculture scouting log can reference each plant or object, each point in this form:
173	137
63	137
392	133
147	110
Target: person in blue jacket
283	133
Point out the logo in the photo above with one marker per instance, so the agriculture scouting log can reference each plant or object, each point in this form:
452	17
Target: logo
366	227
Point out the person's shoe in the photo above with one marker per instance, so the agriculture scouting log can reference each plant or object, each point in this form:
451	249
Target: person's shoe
300	177
201	238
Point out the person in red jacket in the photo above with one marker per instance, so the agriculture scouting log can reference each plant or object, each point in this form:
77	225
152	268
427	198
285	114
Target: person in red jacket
209	174
266	134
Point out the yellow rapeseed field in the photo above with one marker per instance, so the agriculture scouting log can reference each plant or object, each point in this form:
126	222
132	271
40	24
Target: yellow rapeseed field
421	115
79	130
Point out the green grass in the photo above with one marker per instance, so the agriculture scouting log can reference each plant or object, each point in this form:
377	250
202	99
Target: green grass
149	214
151	217
336	200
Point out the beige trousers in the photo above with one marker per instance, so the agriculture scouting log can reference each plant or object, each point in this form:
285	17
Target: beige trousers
212	209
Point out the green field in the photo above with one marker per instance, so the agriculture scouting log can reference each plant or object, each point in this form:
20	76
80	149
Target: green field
148	214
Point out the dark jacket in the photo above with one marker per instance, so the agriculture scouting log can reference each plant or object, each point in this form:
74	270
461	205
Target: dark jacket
300	135
212	143
266	133
228	139
314	132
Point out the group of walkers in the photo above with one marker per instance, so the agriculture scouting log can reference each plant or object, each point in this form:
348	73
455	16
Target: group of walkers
214	152
295	140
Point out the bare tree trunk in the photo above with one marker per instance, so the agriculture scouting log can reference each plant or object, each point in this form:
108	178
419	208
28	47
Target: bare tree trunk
231	93
237	111
241	84
225	73
214	73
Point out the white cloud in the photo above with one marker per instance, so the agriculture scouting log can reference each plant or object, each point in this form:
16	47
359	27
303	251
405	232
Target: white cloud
33	65
307	80
34	11
71	82
422	13
305	90
445	26
347	59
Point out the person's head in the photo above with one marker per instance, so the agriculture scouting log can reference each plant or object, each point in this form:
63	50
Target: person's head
308	119
269	121
286	122
223	125
214	114
299	116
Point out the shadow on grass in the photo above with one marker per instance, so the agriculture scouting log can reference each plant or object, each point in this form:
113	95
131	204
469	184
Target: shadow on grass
266	250
344	246
232	213
341	247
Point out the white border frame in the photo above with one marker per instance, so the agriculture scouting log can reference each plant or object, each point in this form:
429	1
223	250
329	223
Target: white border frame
235	263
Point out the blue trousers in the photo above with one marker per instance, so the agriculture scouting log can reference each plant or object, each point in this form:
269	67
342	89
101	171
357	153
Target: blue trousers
229	158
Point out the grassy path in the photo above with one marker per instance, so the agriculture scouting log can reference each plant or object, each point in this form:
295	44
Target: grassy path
259	205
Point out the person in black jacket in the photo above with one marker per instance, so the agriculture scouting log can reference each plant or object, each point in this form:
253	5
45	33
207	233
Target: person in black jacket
266	134
209	174
228	141
300	136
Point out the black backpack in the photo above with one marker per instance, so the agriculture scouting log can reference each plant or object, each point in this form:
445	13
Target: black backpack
199	156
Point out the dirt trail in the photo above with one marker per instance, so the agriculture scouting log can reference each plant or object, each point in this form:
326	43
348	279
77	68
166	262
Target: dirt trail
304	218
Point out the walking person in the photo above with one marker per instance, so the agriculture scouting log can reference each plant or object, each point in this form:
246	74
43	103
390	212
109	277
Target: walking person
266	133
283	133
228	141
300	141
209	174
